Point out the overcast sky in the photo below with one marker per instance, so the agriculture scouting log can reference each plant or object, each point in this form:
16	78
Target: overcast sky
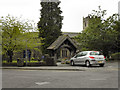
73	10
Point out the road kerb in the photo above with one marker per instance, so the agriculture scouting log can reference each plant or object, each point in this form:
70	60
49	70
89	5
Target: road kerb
64	69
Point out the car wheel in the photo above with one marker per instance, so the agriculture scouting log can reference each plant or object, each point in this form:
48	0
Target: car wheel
87	63
72	63
101	65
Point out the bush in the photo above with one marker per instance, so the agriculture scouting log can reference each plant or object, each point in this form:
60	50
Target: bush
50	61
64	60
9	64
32	58
115	56
20	62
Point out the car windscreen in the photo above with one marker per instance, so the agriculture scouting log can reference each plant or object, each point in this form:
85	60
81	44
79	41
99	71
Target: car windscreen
95	53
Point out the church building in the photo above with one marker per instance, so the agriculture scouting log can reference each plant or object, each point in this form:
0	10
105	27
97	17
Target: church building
63	47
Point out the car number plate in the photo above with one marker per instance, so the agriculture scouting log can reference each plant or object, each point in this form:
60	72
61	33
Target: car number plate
99	61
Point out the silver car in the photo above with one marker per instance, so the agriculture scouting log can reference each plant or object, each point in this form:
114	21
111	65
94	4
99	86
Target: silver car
88	58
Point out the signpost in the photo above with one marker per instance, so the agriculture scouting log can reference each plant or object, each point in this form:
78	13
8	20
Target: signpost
26	55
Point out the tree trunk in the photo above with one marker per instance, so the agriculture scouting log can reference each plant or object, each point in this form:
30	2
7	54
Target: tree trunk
10	54
10	58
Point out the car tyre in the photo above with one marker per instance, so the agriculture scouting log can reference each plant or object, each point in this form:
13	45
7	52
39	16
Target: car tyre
72	63
101	65
87	63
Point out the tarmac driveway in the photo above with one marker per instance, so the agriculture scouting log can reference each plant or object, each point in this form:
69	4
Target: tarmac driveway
110	65
92	77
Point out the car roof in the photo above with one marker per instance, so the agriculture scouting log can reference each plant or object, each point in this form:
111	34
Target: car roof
89	51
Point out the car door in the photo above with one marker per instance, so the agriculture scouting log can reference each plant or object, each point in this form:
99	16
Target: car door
83	57
75	59
78	58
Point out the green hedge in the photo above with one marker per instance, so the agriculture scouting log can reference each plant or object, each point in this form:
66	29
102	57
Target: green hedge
47	61
115	56
23	63
15	61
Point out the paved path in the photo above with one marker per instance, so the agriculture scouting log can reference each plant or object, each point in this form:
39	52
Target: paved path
97	78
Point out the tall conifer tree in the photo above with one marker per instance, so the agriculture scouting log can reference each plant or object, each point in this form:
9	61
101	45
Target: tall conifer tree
50	23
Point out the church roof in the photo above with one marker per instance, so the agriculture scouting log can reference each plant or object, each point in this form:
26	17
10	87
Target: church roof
59	41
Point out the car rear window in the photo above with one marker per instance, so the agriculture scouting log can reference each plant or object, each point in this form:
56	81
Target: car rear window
96	53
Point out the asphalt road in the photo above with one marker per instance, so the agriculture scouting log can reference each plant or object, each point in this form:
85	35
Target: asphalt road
93	77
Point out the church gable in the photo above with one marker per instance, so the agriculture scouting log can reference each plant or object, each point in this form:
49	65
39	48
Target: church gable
63	47
64	39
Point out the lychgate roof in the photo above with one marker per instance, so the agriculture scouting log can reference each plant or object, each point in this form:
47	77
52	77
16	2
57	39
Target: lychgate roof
59	41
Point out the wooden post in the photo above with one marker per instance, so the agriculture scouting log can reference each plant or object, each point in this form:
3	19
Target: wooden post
55	57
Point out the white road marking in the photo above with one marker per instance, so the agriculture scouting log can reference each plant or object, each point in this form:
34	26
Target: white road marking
42	83
110	66
98	79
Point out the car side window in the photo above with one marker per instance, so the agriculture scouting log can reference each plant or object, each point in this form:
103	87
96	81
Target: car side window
84	53
81	54
78	55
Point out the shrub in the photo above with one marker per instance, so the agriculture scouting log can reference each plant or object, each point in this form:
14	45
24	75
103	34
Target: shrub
50	61
32	58
63	61
20	62
115	56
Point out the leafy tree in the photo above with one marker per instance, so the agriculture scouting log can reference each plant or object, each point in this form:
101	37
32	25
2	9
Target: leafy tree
0	39
50	23
31	41
15	36
116	27
11	30
100	34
